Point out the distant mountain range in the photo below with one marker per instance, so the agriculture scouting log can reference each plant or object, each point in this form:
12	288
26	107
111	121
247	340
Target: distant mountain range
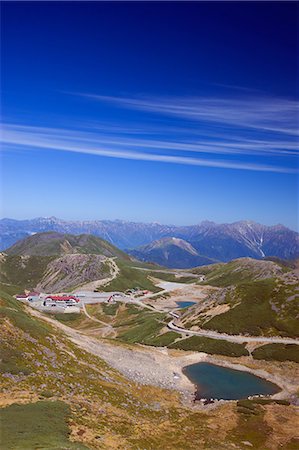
189	246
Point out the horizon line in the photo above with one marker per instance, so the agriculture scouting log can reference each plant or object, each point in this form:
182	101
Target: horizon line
148	223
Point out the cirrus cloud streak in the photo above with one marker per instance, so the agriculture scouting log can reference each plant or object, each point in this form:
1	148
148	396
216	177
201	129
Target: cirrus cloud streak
67	140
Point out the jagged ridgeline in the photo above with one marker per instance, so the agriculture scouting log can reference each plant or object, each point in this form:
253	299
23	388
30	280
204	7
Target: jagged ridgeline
169	245
54	261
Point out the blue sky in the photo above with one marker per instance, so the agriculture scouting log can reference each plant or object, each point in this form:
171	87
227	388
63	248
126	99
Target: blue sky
167	112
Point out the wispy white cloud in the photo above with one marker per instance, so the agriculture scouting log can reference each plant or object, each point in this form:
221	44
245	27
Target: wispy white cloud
29	137
261	113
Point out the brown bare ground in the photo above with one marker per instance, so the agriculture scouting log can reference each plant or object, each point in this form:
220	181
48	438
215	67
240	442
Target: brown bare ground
284	423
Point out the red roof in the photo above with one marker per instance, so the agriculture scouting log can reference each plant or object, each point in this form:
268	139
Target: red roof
62	298
21	296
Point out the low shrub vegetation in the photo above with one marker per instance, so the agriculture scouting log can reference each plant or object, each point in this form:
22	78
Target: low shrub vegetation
277	352
142	328
212	346
163	340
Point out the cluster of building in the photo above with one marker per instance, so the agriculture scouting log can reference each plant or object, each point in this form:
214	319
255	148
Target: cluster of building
69	303
136	291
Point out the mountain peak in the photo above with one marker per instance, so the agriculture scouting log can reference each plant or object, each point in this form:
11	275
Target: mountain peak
52	243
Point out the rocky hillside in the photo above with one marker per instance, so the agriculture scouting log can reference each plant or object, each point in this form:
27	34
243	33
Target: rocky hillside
171	252
53	273
55	262
222	242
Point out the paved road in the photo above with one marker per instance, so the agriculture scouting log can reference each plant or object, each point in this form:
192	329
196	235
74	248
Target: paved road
179	272
232	338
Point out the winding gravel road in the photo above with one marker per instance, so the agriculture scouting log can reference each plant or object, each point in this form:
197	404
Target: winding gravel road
231	337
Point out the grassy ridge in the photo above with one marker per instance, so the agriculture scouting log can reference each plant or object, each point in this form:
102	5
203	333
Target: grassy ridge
52	243
242	270
277	352
212	346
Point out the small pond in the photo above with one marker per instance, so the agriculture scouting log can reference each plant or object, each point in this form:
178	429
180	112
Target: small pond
218	382
185	304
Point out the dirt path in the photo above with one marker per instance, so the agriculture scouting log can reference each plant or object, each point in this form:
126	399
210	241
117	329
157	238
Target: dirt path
108	330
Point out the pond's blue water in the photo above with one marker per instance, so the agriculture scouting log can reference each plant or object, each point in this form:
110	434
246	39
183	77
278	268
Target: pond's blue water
185	304
218	382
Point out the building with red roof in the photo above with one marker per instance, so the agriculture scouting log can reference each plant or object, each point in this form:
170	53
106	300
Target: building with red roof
61	300
21	296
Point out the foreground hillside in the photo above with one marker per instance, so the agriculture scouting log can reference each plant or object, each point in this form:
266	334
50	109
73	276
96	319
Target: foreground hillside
56	395
58	262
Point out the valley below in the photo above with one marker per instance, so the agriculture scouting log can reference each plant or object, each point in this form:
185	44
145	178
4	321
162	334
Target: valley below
115	371
162	367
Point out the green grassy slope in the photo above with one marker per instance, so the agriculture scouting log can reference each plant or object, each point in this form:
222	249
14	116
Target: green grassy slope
265	307
132	323
259	308
241	270
143	327
37	425
24	272
128	278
